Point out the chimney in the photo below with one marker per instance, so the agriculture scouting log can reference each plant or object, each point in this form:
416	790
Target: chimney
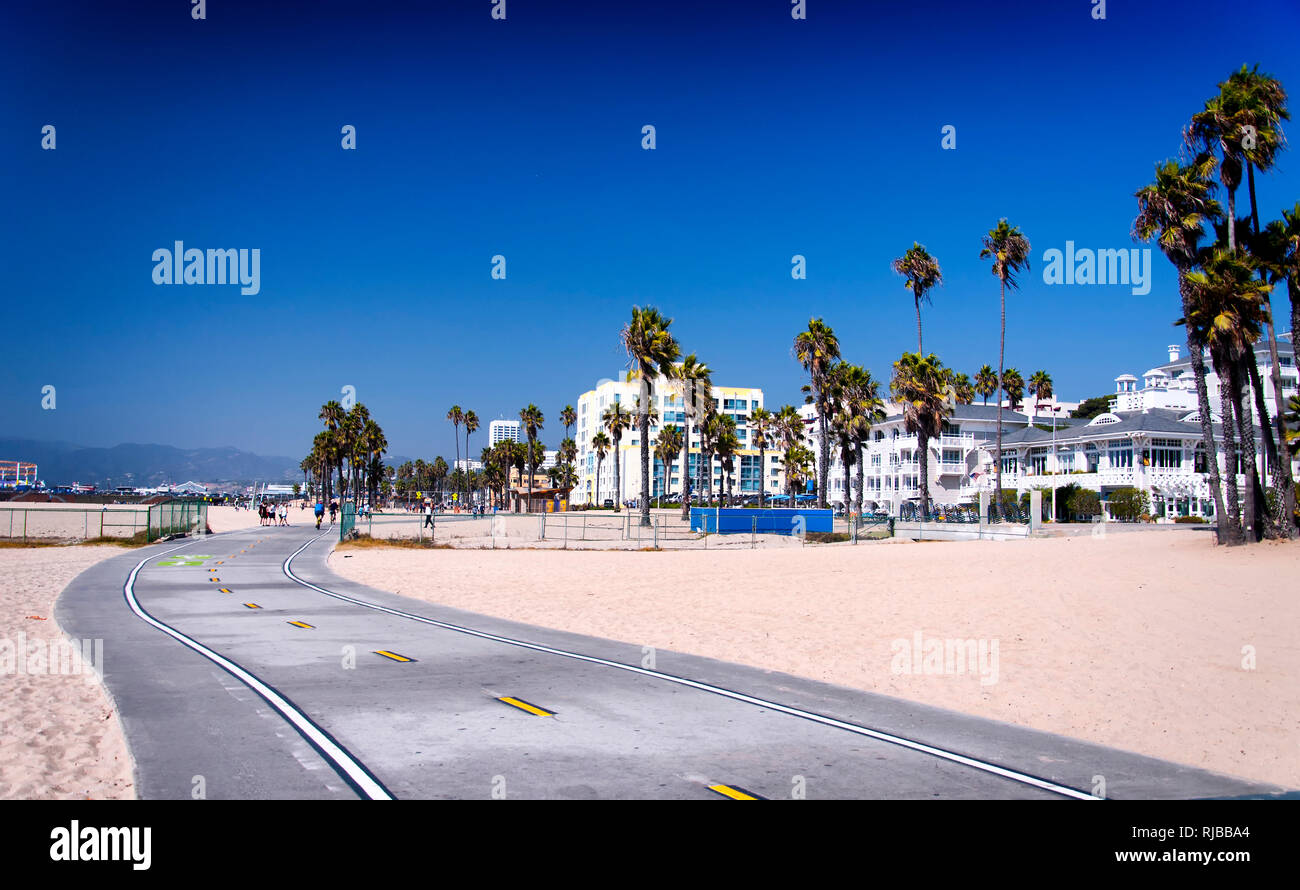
1173	352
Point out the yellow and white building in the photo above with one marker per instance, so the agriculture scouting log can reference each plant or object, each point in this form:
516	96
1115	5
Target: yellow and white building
666	397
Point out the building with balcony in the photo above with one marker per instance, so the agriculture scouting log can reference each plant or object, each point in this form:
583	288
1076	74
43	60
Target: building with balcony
666	402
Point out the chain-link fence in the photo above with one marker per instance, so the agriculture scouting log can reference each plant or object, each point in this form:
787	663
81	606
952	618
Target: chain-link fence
74	522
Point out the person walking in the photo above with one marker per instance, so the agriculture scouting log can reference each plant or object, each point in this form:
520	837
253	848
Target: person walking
428	515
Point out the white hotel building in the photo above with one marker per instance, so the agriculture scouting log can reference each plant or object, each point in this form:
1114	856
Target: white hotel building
1150	439
739	402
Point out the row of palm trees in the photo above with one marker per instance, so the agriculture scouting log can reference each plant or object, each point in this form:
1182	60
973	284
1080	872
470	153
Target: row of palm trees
353	438
1224	288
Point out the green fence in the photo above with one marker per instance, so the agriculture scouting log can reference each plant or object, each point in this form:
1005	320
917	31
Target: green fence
177	518
82	523
349	520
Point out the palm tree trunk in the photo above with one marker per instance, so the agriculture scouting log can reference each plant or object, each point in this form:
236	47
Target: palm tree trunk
643	423
455	434
858	500
528	468
923	465
762	476
1230	460
1002	348
845	454
917	297
824	447
618	476
1253	513
1197	358
599	461
686	459
1276	524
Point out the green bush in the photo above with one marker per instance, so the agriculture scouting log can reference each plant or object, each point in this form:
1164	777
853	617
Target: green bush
1192	520
1129	504
1083	502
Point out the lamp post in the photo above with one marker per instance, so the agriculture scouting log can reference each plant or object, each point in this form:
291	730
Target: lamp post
1056	460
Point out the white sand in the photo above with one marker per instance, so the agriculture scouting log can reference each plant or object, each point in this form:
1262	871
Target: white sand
59	735
1133	640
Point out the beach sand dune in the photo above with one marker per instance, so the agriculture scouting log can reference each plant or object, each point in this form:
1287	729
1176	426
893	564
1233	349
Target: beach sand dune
59	733
1142	641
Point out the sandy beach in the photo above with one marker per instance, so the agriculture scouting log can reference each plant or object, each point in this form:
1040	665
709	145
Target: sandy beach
1140	640
59	733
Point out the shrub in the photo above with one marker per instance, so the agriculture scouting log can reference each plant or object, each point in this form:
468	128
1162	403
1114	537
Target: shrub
1129	504
1192	520
1083	502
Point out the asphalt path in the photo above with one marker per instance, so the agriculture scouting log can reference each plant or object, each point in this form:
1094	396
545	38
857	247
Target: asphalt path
243	668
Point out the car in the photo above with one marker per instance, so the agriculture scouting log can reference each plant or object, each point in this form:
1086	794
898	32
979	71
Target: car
608	503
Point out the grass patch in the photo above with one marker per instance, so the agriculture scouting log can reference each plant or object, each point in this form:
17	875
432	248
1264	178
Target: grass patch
827	537
365	542
134	541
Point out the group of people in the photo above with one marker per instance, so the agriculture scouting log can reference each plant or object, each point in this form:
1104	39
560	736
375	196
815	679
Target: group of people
273	514
320	512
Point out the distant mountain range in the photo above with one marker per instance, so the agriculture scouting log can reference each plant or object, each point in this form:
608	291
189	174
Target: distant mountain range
62	463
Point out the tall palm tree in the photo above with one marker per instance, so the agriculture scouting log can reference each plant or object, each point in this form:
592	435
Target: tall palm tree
332	413
923	387
456	416
1228	308
599	444
1040	386
568	417
617	420
652	352
532	420
986	382
1009	250
816	349
670	440
1173	210
790	431
922	274
762	423
470	420
695	385
437	474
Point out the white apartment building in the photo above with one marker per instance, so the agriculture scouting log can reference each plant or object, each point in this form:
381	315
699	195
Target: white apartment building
1150	439
666	400
1173	386
505	431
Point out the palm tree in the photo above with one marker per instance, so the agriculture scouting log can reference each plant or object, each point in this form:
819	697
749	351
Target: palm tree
790	432
922	273
695	384
470	420
762	423
332	413
963	389
670	440
1173	210
1228	306
568	417
857	408
438	474
617	420
796	460
1013	385
986	382
532	419
652	352
1040	386
816	349
723	442
1009	250
923	387
600	444
456	417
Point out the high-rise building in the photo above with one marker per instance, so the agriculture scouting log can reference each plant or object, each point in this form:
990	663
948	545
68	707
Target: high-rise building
505	431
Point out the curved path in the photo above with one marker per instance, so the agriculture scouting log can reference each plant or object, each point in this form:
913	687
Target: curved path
243	668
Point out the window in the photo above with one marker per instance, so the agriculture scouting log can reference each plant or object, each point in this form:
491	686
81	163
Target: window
750	472
1121	456
1166	454
952	455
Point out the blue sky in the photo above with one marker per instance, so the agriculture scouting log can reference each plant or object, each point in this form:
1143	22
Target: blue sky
523	138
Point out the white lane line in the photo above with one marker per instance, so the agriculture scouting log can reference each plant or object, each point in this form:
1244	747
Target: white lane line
902	741
348	766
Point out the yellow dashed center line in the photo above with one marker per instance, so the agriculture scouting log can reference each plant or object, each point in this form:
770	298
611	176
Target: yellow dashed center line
734	793
526	706
225	590
217	580
393	655
303	624
251	606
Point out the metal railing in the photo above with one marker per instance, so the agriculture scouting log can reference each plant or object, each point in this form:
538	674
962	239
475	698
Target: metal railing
72	523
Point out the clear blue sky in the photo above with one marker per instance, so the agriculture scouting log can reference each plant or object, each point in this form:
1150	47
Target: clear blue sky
477	137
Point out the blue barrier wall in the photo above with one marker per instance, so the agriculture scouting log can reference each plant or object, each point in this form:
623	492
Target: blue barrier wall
777	521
